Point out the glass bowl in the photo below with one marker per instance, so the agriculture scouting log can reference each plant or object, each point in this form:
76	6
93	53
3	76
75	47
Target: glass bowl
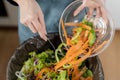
107	30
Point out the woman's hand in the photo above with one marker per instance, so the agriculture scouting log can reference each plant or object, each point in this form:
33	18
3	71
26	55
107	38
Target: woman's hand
31	16
92	5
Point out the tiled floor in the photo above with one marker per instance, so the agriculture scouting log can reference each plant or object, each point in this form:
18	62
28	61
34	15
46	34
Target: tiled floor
110	57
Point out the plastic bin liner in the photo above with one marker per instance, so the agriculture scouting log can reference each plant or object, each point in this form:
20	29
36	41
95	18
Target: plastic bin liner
37	44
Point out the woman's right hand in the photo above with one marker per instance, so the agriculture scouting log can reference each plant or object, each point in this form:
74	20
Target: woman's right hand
31	16
93	4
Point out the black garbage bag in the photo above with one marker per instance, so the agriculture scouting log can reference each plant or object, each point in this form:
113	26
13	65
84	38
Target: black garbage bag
37	44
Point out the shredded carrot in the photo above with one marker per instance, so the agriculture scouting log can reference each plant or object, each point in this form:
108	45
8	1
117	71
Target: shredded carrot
100	46
78	24
85	37
62	62
78	75
85	45
72	24
76	69
41	72
64	31
89	78
69	42
74	48
74	30
82	33
82	78
85	26
75	72
81	59
75	53
66	60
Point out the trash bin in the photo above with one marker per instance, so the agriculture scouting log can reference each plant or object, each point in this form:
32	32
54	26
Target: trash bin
37	44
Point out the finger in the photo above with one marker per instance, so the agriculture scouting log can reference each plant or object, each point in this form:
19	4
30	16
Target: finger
42	25
31	26
90	12
78	10
103	13
42	21
43	29
98	12
39	29
43	36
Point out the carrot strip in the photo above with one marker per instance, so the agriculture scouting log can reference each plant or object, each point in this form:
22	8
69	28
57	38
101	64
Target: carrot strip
69	42
85	45
78	24
62	62
74	30
85	35
82	35
41	72
85	26
72	24
78	75
82	78
75	72
81	59
100	46
64	31
74	54
74	48
89	78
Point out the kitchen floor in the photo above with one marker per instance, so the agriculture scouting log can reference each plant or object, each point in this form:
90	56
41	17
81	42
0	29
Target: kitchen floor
110	57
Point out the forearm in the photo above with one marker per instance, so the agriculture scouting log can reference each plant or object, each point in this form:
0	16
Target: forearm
23	2
12	2
19	2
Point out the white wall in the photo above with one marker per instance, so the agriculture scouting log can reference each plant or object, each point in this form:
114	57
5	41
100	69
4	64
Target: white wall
12	18
114	8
